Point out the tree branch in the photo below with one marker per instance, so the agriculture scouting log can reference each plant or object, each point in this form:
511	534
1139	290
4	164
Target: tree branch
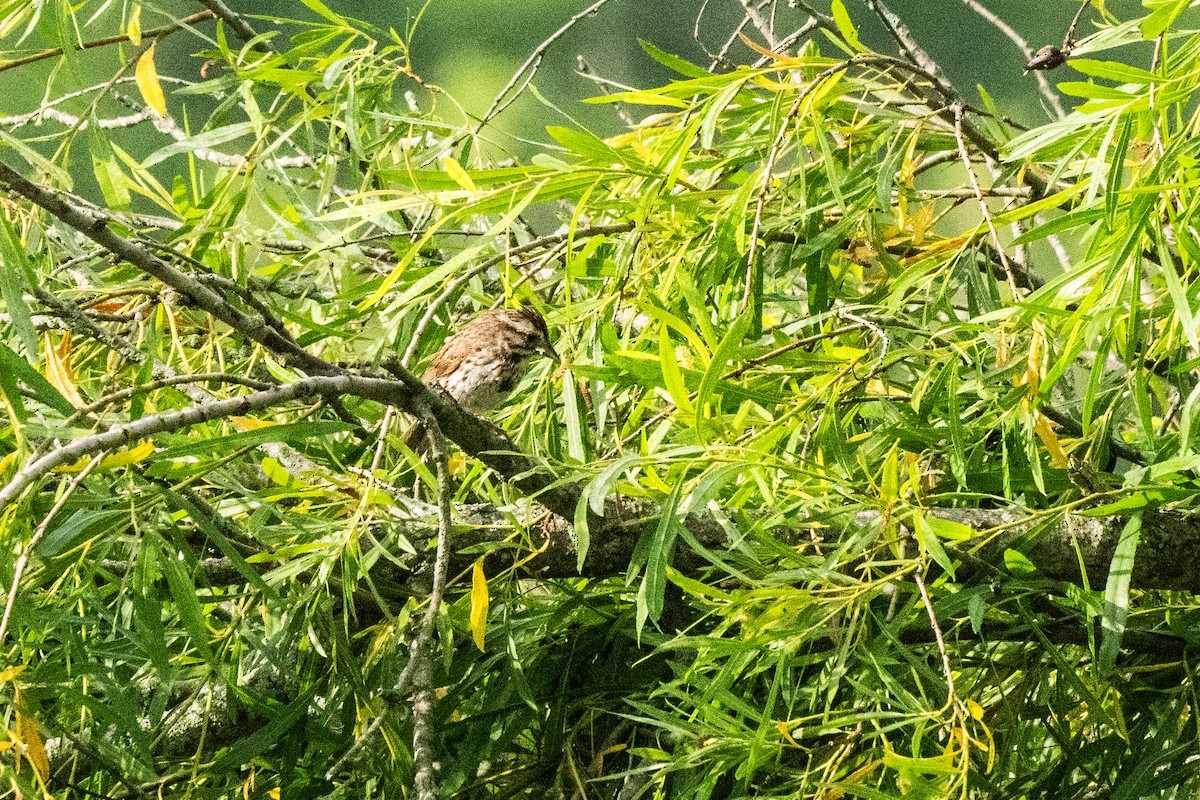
96	229
153	33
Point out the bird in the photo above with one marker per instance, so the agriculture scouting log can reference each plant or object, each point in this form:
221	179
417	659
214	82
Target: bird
481	364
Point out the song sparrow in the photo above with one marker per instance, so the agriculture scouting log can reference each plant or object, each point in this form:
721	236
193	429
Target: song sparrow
482	363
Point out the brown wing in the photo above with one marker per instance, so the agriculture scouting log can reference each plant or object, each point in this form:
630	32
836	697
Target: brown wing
458	348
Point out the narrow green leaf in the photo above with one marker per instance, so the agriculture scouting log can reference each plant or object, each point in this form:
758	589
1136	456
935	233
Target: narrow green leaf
1116	593
845	26
289	432
1132	502
187	604
1163	14
927	538
716	106
583	536
1112	70
282	724
1116	174
673	62
660	548
227	548
1018	563
958	436
81	524
671	374
593	148
729	345
15	272
602	484
38	386
112	181
572	417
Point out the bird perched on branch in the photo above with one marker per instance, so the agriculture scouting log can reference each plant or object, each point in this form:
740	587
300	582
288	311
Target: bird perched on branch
482	363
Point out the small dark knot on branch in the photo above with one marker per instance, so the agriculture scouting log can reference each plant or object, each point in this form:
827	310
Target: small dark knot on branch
1047	58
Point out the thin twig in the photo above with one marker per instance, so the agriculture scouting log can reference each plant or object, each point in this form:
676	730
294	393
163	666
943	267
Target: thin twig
502	100
381	444
823	20
418	672
1069	38
421	652
1056	245
240	27
167	126
32	116
79	322
909	47
583	69
162	383
983	207
947	670
781	47
920	62
153	33
757	20
385	391
1156	139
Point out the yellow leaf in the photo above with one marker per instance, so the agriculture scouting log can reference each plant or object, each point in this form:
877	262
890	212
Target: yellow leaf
134	28
973	708
250	423
479	603
121	459
7	460
35	751
130	456
1050	439
58	370
147	82
758	48
10	673
782	727
274	793
458	174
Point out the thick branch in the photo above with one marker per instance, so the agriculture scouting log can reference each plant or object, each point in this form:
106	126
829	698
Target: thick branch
1165	556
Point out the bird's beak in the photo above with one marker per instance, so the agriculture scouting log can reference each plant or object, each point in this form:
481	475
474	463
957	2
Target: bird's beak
549	352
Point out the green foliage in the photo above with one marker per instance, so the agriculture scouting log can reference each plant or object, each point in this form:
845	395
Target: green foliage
810	305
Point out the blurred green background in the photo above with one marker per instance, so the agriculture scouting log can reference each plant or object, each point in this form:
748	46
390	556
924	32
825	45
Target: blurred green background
472	47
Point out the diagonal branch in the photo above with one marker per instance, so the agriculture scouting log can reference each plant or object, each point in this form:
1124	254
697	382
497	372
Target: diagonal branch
153	33
96	229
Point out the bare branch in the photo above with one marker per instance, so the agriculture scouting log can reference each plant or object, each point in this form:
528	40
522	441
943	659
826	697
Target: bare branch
420	665
153	33
525	73
239	26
